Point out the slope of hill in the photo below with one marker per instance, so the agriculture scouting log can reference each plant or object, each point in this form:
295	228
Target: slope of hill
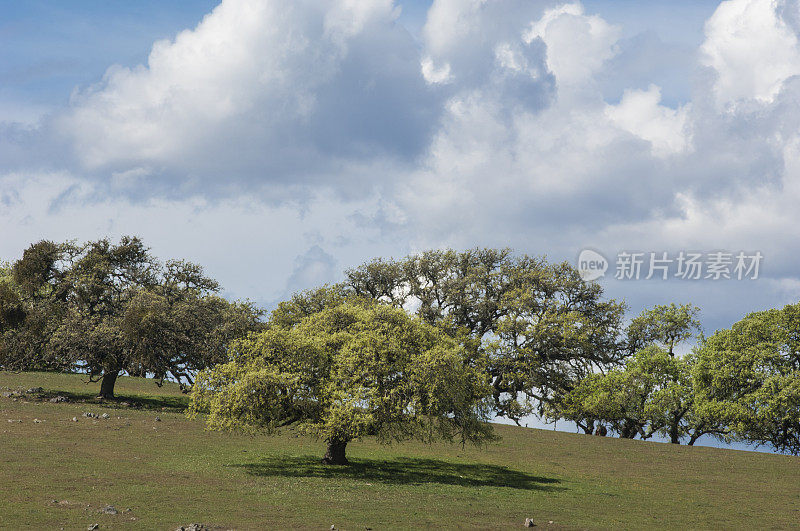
160	470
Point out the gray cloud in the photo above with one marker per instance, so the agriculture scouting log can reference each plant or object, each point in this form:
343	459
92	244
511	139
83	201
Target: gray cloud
315	267
280	146
259	94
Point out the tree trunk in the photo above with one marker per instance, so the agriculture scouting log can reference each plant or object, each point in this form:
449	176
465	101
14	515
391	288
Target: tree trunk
107	384
674	438
629	430
335	454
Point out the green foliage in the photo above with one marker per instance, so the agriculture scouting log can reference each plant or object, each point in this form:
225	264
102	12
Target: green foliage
106	308
12	312
623	397
306	303
540	325
664	325
347	371
33	301
40	274
749	376
555	330
653	393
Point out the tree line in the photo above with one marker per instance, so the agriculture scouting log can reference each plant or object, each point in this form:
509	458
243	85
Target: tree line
433	345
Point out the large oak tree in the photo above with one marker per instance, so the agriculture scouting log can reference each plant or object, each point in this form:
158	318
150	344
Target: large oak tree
540	325
106	308
345	371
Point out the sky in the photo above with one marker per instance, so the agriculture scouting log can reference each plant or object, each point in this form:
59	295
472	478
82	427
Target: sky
278	144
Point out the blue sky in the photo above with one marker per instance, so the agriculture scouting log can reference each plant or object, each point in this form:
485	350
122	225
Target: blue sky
280	143
361	154
50	48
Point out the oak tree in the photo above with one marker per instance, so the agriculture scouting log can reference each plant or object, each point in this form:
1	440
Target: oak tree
748	376
540	325
346	371
104	309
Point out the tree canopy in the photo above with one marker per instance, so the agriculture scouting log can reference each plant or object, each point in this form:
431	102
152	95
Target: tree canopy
665	325
653	393
541	327
346	371
104	308
748	376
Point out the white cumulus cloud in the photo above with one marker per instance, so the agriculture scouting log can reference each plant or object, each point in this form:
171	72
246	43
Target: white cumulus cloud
262	90
577	44
490	128
752	49
641	114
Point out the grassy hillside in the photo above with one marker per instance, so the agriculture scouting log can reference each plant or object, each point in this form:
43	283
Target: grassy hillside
58	473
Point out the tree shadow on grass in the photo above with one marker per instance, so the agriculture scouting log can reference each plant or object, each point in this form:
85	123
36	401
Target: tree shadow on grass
161	403
403	471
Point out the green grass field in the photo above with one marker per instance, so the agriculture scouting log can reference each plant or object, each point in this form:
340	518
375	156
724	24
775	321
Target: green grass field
56	473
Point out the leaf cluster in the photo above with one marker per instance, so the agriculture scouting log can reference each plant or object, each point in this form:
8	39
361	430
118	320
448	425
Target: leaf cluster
354	369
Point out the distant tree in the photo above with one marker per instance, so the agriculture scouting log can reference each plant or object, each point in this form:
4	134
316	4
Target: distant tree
748	376
672	405
102	280
616	398
346	371
671	409
653	393
541	326
665	325
105	308
555	331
